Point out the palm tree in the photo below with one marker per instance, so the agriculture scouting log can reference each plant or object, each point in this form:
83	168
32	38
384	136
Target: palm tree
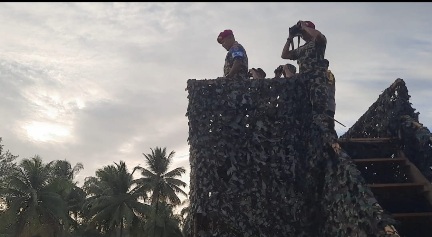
62	168
64	174
185	217
163	223
34	206
163	184
113	203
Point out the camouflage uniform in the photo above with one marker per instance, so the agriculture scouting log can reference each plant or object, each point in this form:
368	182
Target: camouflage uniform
236	51
331	107
312	69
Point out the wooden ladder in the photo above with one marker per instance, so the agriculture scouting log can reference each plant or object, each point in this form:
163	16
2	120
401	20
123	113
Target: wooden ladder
397	184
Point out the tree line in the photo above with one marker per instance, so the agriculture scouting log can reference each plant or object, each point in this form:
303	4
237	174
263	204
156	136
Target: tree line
39	199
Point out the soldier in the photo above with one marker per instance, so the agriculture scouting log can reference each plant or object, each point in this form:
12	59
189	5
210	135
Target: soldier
257	73
331	105
288	71
236	61
313	70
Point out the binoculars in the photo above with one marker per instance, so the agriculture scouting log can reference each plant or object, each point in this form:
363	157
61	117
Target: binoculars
295	29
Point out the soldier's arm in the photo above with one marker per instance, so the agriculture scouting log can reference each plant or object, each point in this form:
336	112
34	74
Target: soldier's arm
235	68
286	52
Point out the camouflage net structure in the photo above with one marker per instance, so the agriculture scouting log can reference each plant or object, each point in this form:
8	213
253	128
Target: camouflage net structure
417	144
393	116
260	167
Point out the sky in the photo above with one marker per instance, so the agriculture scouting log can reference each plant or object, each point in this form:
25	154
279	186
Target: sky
102	82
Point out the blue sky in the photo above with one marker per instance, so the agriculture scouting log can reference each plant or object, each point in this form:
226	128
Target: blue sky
97	83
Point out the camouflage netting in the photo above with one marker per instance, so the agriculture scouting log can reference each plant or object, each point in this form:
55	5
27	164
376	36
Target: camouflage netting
417	141
382	119
393	116
260	167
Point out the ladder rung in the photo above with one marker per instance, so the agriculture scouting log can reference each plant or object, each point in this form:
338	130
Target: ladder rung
367	140
376	160
411	215
396	185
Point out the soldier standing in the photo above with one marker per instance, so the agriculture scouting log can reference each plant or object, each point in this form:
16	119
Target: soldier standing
313	69
236	61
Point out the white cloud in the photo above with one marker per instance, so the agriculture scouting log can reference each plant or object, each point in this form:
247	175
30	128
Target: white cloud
107	81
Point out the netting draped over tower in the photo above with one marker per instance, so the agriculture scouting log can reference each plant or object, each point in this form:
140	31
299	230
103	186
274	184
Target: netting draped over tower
260	167
382	119
393	116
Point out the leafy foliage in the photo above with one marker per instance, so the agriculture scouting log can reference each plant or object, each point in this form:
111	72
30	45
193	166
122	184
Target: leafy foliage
7	164
34	205
113	204
163	184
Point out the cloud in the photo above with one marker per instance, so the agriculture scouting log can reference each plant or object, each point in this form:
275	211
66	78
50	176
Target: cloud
106	81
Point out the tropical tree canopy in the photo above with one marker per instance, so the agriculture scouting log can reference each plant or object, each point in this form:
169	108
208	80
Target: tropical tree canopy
34	206
163	184
114	203
7	163
42	199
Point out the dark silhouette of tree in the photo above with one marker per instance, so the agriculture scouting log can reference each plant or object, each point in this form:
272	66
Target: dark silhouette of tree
114	203
163	184
34	205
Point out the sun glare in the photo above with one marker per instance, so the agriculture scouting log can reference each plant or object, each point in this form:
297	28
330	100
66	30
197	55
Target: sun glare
44	132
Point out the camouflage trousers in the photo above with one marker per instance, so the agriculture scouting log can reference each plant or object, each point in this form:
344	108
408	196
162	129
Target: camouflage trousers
318	92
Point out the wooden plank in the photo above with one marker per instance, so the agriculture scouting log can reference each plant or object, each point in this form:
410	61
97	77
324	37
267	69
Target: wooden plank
368	140
411	215
418	177
396	185
378	160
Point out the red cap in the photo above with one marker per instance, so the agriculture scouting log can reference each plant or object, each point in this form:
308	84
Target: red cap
310	24
224	34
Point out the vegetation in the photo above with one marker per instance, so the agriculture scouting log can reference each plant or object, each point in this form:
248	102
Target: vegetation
164	187
42	199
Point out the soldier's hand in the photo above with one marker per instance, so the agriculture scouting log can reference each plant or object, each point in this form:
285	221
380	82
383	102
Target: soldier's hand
278	71
301	24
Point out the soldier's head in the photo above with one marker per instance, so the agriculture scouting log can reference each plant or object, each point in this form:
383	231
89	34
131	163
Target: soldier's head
289	70
309	24
226	39
257	73
326	63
